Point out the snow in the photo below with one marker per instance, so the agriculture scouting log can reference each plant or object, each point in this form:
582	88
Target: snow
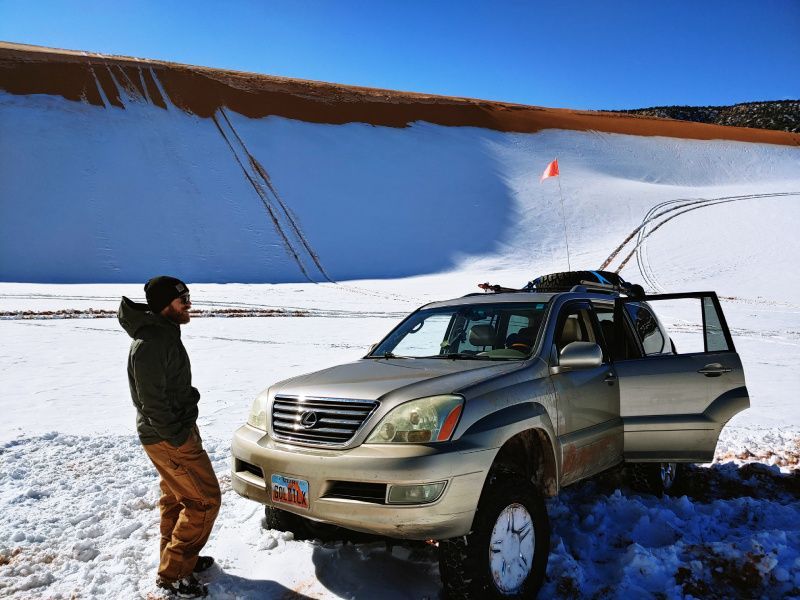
123	193
93	531
399	217
79	497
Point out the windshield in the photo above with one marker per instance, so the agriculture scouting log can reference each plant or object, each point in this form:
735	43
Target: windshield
473	332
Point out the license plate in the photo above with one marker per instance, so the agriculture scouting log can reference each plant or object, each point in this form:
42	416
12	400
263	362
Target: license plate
286	490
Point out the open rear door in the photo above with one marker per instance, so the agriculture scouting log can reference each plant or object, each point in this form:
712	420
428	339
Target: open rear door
687	381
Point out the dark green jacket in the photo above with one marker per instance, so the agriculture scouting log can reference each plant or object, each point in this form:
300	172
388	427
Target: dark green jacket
159	375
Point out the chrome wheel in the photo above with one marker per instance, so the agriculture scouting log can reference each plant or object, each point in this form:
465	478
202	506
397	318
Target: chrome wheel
511	547
668	472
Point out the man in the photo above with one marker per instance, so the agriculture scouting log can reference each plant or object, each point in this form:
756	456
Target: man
160	379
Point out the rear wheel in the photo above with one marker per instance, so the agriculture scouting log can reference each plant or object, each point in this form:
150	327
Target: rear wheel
506	554
655	478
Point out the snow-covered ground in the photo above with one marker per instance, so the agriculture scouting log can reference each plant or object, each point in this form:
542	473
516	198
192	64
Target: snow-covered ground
121	195
79	519
78	497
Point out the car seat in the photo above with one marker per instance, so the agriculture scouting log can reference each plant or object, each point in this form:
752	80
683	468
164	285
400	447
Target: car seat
521	340
482	335
570	332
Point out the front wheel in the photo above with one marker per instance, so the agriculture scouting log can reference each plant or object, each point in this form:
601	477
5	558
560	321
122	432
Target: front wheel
506	554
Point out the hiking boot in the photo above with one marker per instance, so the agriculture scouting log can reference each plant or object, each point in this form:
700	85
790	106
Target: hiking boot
204	563
188	587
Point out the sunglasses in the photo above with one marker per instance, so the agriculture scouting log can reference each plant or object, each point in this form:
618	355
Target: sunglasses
184	298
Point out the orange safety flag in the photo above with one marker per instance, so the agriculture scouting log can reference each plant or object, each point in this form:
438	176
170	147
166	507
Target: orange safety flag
550	171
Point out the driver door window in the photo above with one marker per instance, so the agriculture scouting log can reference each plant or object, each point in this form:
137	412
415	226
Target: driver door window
616	333
575	325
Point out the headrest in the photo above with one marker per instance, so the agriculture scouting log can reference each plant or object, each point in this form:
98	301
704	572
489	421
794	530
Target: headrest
526	333
571	332
481	335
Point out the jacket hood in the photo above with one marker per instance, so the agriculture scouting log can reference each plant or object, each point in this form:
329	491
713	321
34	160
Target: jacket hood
134	316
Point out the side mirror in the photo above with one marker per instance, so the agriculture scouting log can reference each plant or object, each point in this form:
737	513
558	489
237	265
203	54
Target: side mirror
579	355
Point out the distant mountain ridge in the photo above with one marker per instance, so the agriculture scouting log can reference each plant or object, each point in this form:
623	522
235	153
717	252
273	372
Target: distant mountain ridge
780	115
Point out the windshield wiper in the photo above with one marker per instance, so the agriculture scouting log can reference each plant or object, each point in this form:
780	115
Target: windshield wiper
386	355
461	355
465	356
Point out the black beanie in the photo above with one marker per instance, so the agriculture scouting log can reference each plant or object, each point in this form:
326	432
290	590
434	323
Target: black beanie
162	290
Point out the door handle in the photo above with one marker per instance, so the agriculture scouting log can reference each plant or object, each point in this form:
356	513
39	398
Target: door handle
610	378
714	370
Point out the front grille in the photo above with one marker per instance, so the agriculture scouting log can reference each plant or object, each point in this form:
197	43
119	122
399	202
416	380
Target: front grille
356	490
319	421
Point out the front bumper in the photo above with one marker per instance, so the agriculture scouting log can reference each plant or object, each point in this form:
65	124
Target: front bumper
451	515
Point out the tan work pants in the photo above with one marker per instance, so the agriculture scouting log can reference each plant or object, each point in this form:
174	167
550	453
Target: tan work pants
190	501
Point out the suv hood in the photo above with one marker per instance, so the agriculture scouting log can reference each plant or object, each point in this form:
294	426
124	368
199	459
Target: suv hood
370	379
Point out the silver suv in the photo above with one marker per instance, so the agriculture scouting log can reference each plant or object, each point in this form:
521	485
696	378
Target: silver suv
457	425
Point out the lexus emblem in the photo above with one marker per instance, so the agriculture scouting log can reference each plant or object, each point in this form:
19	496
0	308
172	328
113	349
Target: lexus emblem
308	419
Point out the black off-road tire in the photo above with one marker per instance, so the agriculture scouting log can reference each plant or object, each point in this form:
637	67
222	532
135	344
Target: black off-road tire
568	279
464	562
647	478
302	528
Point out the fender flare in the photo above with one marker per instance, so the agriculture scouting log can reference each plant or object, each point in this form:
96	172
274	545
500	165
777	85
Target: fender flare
496	429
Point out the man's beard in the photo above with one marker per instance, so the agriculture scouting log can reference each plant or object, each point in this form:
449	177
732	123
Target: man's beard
179	317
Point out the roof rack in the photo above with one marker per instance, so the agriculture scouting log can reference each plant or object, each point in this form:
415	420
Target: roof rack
593	286
631	290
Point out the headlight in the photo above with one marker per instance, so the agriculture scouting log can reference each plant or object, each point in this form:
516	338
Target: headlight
423	420
258	412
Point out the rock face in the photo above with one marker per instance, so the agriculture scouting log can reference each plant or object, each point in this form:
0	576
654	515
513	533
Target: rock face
780	115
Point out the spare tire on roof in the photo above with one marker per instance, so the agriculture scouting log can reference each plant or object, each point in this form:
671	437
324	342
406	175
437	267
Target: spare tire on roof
565	281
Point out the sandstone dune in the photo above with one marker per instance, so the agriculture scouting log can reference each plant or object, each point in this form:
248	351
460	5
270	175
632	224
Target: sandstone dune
87	77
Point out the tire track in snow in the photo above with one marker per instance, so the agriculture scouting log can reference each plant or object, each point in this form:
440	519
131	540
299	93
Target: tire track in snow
223	313
237	304
647	228
260	172
694	206
642	258
290	217
688	201
376	294
643	262
262	195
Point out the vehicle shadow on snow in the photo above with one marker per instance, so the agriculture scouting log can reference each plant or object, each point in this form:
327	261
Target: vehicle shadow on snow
390	569
728	480
226	585
719	481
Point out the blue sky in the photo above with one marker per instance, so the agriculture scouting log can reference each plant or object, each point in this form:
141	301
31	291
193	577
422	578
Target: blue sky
573	54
